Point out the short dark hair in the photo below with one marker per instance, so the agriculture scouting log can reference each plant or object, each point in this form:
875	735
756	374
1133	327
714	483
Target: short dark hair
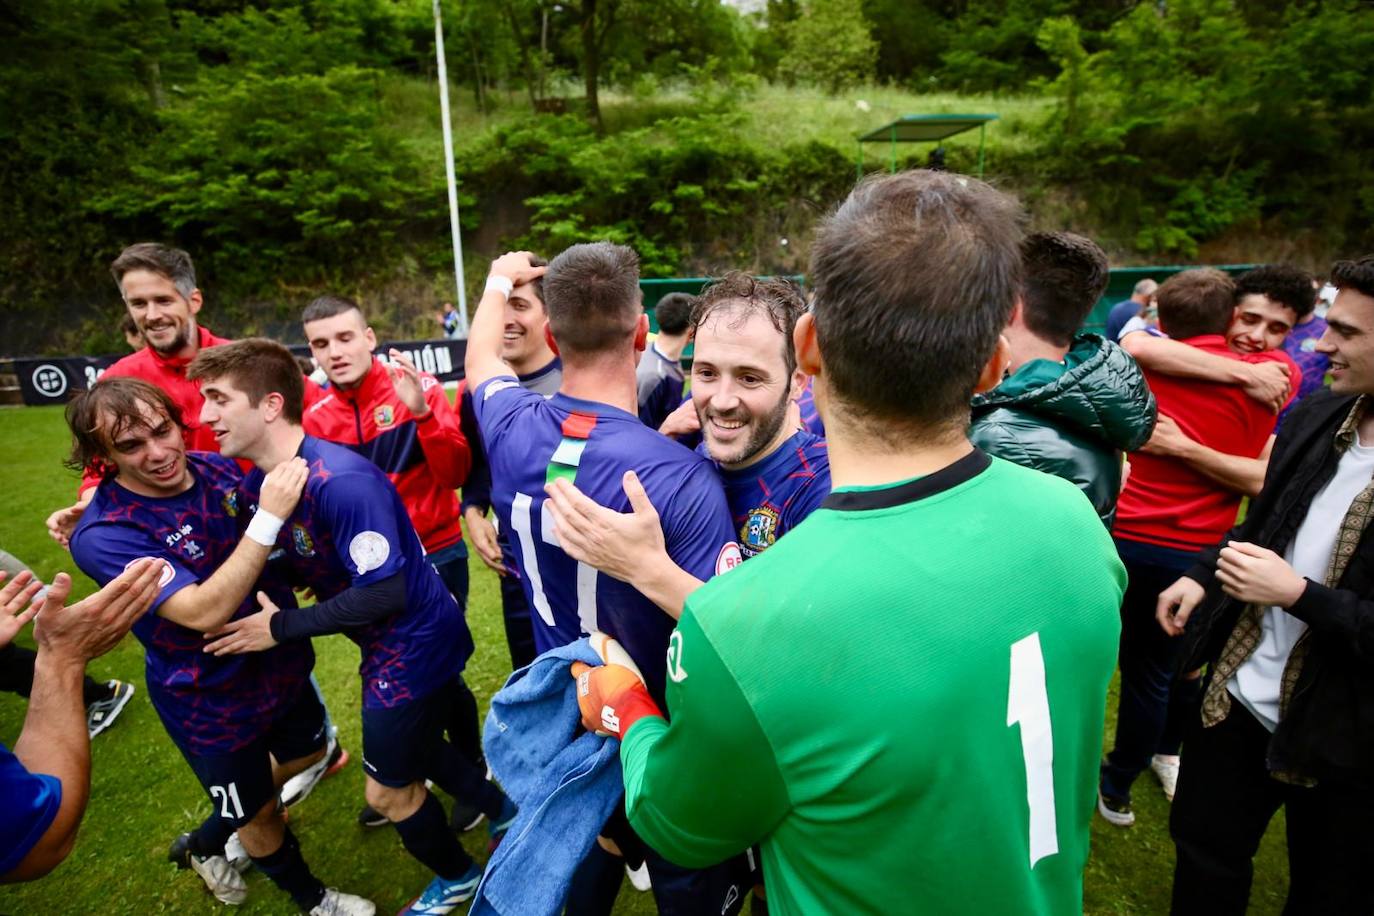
322	307
1065	275
778	299
120	398
1196	302
1357	275
538	282
674	313
172	263
915	277
592	297
1285	284
257	367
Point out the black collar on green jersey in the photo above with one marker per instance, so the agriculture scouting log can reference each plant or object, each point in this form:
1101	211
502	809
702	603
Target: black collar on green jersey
947	478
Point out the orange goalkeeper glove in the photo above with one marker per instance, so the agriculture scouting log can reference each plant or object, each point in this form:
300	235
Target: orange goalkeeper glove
611	698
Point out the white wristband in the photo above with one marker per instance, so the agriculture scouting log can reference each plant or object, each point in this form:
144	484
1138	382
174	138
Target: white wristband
502	285
264	527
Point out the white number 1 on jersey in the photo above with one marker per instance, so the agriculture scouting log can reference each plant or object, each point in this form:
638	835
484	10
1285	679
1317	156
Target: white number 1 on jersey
1028	704
520	520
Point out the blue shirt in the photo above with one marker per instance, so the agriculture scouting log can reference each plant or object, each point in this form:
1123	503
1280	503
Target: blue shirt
530	441
28	805
772	497
810	416
351	529
659	381
210	705
1121	313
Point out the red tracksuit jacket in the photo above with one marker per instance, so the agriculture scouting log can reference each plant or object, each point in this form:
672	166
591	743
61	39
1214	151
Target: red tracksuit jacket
427	459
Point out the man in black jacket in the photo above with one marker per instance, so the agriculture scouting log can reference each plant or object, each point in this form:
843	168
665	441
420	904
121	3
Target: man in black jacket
1283	612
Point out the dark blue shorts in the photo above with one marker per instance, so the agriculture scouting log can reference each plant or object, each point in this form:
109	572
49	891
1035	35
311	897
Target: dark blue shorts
401	744
240	783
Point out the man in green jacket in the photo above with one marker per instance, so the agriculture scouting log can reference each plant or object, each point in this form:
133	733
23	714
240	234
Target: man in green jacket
1072	402
902	699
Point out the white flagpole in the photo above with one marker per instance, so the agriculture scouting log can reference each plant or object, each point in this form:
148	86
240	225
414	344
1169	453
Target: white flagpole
452	179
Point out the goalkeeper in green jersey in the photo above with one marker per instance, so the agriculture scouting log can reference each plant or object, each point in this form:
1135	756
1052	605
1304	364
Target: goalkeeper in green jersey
901	701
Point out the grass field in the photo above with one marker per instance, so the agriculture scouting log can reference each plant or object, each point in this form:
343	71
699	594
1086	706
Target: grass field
143	794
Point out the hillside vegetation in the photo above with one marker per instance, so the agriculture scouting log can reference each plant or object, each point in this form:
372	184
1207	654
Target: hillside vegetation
294	147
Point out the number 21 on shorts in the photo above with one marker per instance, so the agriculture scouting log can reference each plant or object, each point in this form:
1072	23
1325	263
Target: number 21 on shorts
226	795
1028	704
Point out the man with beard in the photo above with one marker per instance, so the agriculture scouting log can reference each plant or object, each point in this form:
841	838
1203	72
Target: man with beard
744	381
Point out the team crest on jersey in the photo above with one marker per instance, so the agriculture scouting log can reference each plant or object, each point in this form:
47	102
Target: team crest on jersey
230	503
759	530
305	545
384	416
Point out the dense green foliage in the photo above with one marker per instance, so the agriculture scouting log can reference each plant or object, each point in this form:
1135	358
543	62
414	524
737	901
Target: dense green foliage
291	145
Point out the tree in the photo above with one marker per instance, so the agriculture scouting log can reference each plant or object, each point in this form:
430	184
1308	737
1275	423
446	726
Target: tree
831	45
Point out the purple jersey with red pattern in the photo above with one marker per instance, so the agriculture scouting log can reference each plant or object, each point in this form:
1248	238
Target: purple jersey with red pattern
770	498
210	705
531	441
351	529
810	417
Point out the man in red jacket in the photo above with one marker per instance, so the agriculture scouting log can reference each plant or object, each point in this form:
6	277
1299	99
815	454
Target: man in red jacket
400	420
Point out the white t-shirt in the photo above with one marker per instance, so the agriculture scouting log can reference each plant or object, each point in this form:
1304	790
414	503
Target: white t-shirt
1257	682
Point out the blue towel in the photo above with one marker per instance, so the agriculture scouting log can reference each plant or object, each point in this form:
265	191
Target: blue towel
566	787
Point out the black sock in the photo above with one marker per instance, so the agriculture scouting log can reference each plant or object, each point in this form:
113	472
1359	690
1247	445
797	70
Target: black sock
289	872
595	884
427	837
209	838
460	777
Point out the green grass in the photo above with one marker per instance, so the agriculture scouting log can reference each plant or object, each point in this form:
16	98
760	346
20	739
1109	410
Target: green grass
143	794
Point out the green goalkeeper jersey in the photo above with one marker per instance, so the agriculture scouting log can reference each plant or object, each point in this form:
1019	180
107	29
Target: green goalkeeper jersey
902	701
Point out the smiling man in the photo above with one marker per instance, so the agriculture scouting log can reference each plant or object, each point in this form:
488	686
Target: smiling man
352	543
244	724
1281	609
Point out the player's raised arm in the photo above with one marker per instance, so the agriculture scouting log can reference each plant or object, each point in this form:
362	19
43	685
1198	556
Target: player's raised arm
207	605
447	450
483	359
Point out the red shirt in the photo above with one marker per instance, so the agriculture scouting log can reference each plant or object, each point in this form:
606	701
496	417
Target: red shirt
1168	503
427	459
169	374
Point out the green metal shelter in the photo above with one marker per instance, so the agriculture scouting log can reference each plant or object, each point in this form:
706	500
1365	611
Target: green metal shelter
925	129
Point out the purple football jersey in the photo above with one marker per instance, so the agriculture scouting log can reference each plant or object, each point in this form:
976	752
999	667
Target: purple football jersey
209	705
772	497
529	442
351	528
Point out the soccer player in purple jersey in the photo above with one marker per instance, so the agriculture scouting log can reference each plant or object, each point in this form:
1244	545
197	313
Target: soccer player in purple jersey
590	432
351	542
744	382
244	724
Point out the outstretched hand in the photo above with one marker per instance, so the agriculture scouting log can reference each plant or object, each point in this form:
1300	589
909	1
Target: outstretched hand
619	544
246	634
405	378
17	606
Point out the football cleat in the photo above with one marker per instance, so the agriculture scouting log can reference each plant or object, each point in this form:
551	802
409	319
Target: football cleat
101	714
444	896
304	782
496	829
219	876
337	903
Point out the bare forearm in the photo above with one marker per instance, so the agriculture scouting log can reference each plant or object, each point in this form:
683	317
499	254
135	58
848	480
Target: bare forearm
1171	357
55	742
483	358
665	584
208	605
1235	472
